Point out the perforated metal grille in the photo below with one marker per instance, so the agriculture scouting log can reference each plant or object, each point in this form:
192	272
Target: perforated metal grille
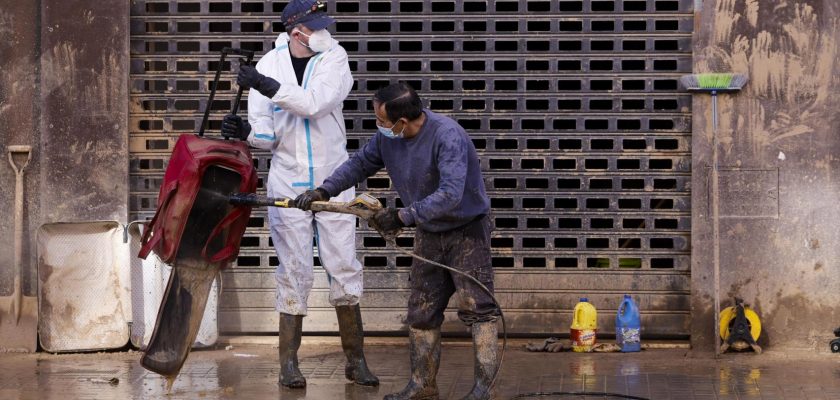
572	105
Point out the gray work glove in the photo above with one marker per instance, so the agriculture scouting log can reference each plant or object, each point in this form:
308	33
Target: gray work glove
305	199
249	77
551	345
234	127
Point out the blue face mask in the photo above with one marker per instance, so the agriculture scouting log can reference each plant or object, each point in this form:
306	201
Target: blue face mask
389	132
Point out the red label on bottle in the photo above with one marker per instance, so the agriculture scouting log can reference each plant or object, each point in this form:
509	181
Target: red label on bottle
582	339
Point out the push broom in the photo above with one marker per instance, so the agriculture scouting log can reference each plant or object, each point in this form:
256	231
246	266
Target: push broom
714	83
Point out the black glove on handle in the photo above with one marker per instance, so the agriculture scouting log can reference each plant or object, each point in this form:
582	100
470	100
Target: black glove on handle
304	201
233	126
387	222
251	78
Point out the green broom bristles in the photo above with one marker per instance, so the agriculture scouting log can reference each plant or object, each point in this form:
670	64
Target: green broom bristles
714	81
709	81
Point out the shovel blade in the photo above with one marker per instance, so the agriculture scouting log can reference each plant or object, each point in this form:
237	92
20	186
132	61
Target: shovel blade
19	334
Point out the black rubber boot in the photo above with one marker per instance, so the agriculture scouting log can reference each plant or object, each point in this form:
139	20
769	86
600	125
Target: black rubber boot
485	347
291	328
424	354
352	341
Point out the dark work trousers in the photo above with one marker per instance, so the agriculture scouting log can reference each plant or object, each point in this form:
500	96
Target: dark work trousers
467	249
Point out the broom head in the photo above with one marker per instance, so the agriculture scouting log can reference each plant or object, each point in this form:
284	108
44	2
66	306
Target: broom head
714	82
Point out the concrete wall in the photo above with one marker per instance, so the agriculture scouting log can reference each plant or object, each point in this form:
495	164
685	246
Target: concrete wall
779	169
84	119
64	91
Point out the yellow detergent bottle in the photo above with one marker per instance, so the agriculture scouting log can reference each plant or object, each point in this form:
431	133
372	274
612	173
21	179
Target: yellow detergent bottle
584	326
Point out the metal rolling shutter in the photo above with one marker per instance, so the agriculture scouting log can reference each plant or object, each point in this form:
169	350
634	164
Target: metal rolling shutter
572	105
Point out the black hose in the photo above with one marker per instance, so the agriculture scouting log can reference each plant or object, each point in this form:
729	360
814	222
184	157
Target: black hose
393	243
391	240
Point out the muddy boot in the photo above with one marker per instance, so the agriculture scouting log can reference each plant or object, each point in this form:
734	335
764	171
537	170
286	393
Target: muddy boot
485	346
291	327
352	341
424	355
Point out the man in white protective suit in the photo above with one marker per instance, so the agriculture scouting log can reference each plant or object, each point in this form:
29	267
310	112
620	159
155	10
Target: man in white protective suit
294	110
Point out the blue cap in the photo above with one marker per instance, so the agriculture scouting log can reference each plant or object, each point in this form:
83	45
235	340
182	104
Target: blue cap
312	14
584	300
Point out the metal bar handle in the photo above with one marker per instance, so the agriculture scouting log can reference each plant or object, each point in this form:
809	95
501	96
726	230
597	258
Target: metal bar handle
212	94
249	57
225	51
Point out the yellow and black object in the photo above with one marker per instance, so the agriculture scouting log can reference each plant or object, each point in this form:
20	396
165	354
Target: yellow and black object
834	345
740	327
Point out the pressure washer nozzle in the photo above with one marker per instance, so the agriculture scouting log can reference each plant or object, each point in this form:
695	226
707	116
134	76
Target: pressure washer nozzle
243	199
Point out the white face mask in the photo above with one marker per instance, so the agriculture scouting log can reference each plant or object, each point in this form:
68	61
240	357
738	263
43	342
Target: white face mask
319	41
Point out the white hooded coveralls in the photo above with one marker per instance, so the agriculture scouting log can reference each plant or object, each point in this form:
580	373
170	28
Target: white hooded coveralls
303	126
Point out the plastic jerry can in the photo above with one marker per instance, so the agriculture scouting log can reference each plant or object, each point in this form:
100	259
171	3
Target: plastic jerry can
628	326
584	326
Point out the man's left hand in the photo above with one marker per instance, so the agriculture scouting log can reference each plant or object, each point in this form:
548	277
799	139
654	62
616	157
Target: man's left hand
387	221
249	77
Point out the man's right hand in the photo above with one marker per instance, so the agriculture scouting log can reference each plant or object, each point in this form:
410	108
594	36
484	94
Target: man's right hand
234	127
387	222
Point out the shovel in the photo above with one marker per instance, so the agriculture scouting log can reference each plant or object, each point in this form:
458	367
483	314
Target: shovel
19	313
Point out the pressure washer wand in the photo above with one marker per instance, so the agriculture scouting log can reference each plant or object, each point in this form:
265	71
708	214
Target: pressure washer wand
254	200
363	206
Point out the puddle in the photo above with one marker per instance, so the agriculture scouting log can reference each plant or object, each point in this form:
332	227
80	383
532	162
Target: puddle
219	374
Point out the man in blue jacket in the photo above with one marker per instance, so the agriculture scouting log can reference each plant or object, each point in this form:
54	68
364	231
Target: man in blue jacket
435	169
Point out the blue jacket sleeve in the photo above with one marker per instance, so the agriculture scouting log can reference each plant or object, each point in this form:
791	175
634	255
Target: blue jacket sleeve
362	164
452	152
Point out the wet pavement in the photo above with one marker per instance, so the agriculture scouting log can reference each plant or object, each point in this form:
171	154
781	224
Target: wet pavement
250	372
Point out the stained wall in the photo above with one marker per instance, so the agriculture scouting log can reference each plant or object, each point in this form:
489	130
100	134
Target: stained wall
779	157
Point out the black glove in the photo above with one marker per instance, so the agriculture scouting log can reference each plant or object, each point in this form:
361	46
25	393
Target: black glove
304	201
234	127
387	222
250	77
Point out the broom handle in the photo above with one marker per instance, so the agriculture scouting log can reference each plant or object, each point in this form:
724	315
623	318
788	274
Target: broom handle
714	117
715	222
